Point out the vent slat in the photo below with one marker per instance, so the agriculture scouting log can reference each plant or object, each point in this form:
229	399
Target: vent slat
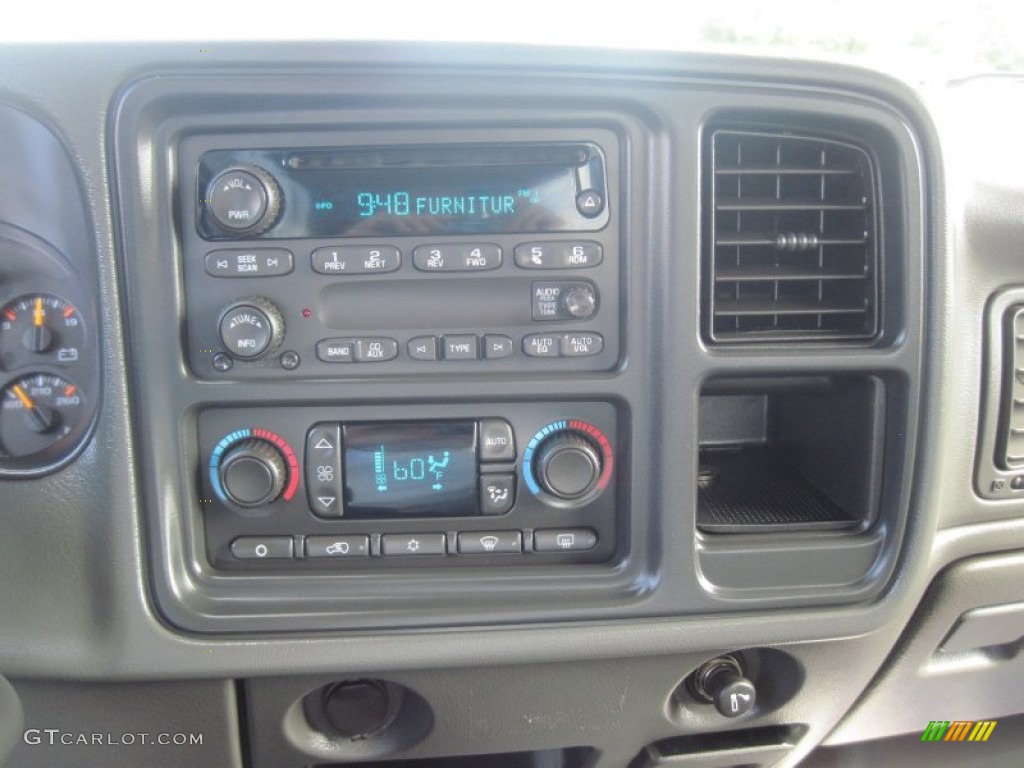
792	248
746	307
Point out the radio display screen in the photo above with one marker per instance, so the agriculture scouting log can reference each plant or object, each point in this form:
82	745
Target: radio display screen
410	469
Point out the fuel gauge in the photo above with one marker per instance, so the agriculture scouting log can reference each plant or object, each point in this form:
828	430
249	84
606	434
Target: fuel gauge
36	411
40	329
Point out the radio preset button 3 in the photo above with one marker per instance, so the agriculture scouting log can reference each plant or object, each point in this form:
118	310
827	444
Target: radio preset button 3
356	259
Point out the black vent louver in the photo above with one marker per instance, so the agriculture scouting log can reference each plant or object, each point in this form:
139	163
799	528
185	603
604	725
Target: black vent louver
794	242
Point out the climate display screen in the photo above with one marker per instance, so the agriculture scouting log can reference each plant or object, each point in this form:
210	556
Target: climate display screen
411	469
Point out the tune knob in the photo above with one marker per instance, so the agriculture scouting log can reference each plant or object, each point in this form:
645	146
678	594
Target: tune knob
253	473
568	466
251	328
244	201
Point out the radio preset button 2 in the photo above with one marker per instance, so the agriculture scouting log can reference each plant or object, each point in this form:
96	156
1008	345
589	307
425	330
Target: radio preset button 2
356	259
457	257
497	443
460	347
423	348
564	540
253	262
337	546
542	345
497	346
490	543
262	547
412	544
497	494
558	254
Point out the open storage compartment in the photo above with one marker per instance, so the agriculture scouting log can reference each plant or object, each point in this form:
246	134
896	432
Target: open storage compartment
790	453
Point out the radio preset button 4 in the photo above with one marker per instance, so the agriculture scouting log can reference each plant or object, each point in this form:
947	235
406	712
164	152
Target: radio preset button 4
356	259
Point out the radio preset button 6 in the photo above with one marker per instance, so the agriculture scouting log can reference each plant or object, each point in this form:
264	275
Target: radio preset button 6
337	546
412	544
423	348
542	345
490	543
254	262
497	494
457	257
497	346
356	259
460	347
558	254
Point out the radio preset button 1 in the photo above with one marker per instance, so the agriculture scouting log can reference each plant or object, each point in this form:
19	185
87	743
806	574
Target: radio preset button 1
412	544
336	350
423	348
564	540
497	494
490	543
542	345
376	349
497	443
497	346
254	262
262	547
356	259
558	254
337	546
324	486
460	347
582	344
457	257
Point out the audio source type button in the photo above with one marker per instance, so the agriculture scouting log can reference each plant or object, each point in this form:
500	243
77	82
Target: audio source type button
490	543
254	262
337	546
356	259
564	540
460	347
412	544
262	547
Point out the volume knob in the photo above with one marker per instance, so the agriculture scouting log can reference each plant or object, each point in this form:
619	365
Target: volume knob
244	201
253	473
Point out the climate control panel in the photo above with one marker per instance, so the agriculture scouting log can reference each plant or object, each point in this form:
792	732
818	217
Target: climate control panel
326	488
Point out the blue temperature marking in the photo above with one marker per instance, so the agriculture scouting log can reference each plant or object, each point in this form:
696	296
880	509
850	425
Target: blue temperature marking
226	442
531	481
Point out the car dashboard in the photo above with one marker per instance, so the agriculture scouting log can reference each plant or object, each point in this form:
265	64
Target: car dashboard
441	406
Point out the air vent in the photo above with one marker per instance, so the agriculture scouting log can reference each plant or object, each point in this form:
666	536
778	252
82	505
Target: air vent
795	254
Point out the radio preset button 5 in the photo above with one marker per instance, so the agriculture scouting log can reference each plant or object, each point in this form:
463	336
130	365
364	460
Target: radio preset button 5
356	259
254	262
490	543
457	257
558	254
412	544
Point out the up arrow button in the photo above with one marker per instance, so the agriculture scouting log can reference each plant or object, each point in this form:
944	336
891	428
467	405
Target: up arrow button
589	203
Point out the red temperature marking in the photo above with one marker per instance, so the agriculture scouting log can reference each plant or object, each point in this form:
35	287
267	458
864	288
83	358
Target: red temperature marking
11	315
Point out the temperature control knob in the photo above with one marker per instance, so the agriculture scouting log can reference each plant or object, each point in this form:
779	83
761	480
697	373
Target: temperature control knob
567	466
253	473
244	200
251	328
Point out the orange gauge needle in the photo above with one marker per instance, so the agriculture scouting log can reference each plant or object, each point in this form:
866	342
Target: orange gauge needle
25	399
37	315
